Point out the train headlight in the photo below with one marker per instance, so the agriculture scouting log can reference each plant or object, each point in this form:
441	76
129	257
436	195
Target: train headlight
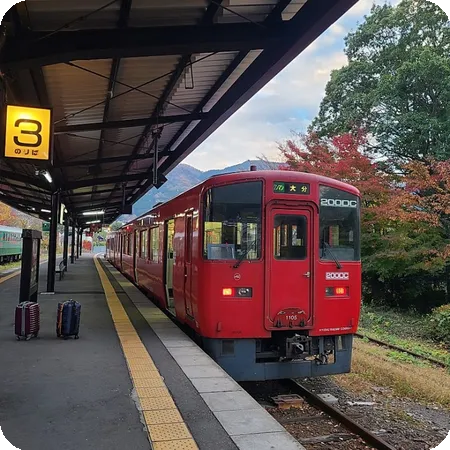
244	292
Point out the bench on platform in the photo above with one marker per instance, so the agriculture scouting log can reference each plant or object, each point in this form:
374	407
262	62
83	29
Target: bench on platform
62	269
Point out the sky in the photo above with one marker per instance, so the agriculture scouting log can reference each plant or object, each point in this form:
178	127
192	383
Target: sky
287	103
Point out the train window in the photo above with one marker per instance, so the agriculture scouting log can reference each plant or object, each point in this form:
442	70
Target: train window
232	221
130	244
290	237
154	244
127	244
188	239
144	244
339	225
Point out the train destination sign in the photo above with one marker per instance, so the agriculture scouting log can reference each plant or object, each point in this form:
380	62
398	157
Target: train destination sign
281	187
28	133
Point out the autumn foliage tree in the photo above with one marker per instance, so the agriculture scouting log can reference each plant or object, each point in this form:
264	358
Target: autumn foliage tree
6	215
340	158
404	239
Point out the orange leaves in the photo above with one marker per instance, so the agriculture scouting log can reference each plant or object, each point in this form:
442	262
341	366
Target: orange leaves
341	158
426	193
420	194
6	215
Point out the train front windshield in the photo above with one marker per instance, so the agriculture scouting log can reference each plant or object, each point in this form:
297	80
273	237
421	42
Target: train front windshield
233	221
339	225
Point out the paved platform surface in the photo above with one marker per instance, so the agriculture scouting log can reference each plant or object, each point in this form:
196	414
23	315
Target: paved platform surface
133	379
71	395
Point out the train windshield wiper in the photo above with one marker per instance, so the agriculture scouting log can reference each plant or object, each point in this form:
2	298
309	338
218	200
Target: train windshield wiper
244	255
328	247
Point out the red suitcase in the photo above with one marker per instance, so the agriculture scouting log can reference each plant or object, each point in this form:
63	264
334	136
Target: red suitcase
27	320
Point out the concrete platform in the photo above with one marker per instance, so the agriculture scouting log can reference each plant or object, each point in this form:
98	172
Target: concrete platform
133	379
66	394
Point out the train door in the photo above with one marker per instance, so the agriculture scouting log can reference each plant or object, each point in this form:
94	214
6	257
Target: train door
135	255
169	261
289	238
188	264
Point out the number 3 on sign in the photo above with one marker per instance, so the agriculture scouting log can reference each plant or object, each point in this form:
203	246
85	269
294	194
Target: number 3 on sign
28	132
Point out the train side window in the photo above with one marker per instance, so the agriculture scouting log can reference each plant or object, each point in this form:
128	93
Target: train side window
188	239
154	244
290	237
144	244
130	244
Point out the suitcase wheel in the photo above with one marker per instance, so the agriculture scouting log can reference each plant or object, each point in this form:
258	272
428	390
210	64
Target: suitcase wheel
77	337
28	338
18	338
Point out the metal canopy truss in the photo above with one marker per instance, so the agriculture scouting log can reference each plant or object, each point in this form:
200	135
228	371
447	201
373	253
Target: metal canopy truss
119	73
34	50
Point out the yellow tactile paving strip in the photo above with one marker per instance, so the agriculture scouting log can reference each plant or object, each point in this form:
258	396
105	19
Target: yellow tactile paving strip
165	426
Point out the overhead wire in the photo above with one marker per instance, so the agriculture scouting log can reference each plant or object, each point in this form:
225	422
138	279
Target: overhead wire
71	115
93	72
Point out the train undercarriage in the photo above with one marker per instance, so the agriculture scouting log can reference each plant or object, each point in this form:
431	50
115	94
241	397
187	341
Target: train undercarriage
285	355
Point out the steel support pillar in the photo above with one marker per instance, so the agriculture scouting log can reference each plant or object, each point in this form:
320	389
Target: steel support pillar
72	250
78	243
81	240
66	243
52	244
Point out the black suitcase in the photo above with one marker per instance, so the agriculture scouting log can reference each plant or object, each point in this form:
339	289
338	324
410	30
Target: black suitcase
68	319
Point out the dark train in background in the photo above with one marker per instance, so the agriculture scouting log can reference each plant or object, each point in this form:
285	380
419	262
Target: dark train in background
10	244
263	267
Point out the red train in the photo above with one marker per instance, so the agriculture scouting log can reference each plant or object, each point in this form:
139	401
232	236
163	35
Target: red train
263	267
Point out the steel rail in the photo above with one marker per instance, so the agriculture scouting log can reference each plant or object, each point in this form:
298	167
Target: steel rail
369	437
400	349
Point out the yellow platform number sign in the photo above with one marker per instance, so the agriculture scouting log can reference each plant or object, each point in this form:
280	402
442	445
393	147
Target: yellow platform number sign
28	133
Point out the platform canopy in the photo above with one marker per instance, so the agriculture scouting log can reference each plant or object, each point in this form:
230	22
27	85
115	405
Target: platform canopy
131	77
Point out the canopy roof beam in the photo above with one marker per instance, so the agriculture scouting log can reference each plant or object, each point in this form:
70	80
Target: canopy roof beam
130	123
32	50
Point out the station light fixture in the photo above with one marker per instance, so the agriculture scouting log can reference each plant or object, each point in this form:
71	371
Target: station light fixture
45	210
47	176
93	221
93	213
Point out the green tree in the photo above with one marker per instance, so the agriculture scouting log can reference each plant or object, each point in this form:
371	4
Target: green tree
396	84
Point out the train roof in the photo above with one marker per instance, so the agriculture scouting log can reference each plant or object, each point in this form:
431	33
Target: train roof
10	229
281	175
270	175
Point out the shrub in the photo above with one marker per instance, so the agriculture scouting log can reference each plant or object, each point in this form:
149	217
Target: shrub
440	323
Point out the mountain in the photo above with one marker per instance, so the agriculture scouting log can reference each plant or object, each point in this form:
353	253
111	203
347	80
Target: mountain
183	177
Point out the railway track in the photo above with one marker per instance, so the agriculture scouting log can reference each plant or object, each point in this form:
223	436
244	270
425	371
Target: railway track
400	349
318	423
348	422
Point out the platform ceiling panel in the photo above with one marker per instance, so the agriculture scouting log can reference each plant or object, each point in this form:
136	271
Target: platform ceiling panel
128	77
63	12
151	74
76	95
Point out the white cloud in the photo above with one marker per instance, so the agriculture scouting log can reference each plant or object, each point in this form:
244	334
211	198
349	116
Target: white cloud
288	102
